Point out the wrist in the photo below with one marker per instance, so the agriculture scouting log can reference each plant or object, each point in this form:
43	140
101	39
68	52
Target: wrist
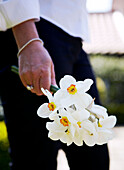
28	43
24	32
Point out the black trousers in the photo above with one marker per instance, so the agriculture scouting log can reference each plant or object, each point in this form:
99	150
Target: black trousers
30	146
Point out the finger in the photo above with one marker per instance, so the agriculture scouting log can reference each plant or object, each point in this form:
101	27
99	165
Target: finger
45	80
36	81
37	87
53	80
26	79
23	80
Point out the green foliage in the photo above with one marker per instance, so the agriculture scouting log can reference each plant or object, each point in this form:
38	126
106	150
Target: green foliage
110	69
4	145
117	110
4	159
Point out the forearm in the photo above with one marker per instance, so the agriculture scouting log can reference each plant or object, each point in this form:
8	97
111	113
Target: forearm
24	32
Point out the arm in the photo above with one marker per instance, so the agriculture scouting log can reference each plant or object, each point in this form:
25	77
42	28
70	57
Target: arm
35	64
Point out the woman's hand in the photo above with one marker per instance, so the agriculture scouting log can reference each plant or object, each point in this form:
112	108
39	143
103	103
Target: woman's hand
36	68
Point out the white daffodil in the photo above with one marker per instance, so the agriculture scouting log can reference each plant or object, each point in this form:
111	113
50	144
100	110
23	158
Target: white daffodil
79	117
108	122
75	129
59	132
104	135
75	92
89	133
104	129
72	87
97	110
61	129
78	138
49	109
66	117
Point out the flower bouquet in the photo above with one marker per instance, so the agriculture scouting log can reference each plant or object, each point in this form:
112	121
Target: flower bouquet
74	116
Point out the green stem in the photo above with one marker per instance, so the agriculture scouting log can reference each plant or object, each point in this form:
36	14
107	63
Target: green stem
15	69
53	88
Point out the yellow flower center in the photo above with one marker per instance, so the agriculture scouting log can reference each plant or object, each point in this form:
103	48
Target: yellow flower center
72	89
99	125
79	124
51	106
67	132
64	121
91	134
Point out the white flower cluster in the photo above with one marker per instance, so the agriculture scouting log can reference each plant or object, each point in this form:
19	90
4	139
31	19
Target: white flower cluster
75	116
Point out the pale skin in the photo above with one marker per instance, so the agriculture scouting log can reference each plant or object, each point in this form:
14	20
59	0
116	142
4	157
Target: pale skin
35	64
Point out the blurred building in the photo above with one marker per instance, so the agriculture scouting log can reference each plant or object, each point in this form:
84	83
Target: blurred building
106	26
118	5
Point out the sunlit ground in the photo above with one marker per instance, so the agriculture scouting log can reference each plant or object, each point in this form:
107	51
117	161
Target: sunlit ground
116	149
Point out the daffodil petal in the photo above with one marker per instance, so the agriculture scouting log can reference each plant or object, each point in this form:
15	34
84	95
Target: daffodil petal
69	142
53	115
66	81
104	136
89	128
78	139
48	94
55	127
68	101
66	139
59	96
82	101
43	111
54	135
81	115
89	135
90	140
72	130
84	86
109	122
100	111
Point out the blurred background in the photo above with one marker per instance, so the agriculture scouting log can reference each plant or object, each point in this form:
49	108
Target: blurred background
106	52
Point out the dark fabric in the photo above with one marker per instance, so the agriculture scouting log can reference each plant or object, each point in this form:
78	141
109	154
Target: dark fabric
30	146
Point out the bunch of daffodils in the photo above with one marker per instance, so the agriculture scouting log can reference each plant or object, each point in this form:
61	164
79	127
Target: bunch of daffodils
75	118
